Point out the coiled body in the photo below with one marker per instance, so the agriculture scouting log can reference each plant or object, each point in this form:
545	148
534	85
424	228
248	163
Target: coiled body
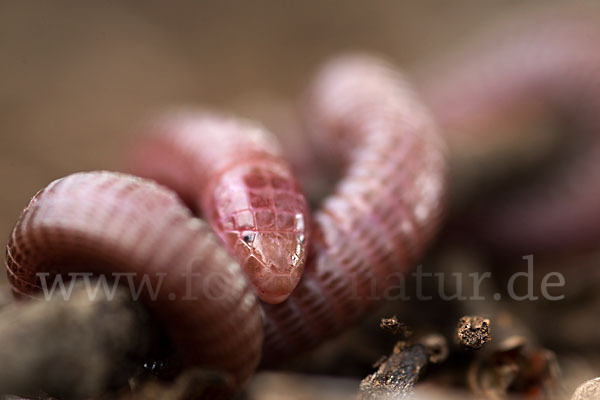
374	225
107	223
495	94
382	213
234	173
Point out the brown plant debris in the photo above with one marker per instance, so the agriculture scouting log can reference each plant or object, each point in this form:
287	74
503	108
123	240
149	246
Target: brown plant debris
395	327
513	367
398	373
473	332
437	348
396	376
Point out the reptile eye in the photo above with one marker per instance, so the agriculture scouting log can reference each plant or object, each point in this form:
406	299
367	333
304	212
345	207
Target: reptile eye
248	237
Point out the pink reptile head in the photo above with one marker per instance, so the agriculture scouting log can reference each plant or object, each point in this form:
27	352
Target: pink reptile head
262	217
242	184
274	262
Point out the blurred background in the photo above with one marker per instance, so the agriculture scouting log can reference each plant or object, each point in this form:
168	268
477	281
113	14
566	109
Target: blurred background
77	76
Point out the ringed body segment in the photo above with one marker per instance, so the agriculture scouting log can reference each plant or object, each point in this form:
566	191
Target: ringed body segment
375	224
112	225
233	172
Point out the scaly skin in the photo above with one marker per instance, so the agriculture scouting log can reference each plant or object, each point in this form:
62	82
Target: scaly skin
234	173
380	216
370	230
105	223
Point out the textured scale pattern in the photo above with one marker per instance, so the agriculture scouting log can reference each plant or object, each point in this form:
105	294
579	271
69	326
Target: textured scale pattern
542	64
104	222
382	213
234	173
367	233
